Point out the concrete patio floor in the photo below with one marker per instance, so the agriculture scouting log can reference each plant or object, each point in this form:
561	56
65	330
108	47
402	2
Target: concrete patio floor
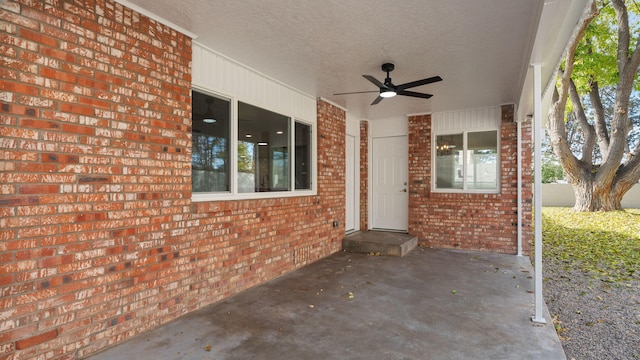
429	304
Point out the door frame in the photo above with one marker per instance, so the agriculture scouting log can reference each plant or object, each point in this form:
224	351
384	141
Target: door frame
353	130
352	192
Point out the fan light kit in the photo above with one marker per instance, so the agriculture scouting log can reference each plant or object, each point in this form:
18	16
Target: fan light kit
388	89
387	93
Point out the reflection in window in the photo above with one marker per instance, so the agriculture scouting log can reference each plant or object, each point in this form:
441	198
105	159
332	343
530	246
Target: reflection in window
449	149
210	143
470	165
482	160
280	169
303	156
263	150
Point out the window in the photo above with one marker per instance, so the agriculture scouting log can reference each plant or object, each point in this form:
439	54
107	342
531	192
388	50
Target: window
210	143
303	156
263	150
467	161
240	149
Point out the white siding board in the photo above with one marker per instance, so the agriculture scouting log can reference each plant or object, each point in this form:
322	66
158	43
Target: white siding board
353	125
466	120
222	75
395	126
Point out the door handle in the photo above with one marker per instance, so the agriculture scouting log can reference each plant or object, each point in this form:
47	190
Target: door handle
403	190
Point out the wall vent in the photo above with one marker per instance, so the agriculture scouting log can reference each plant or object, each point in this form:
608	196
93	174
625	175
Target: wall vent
302	255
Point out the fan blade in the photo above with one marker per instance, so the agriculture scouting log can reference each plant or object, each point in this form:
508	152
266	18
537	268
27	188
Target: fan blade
414	94
358	92
419	82
373	80
377	100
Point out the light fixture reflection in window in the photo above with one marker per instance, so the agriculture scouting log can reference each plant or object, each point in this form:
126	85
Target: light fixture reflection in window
443	147
209	117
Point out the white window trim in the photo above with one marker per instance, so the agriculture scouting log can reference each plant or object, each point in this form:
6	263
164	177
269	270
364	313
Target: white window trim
233	194
464	133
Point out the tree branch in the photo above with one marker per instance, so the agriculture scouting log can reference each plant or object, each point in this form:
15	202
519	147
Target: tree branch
629	173
623	32
620	122
599	120
573	168
587	129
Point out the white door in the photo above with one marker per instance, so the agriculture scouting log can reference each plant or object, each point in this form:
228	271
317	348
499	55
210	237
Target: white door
350	191
390	205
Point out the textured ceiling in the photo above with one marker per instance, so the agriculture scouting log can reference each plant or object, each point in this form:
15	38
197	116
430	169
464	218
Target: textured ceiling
479	47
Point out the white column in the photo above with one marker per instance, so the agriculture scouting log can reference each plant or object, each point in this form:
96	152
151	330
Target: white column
519	209
537	191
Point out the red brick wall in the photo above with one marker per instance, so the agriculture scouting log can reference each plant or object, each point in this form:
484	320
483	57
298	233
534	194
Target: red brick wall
364	175
469	221
332	138
99	239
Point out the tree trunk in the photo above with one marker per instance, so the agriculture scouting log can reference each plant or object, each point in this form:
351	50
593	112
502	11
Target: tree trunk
590	197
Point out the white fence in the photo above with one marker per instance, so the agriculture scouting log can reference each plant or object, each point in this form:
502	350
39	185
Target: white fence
562	195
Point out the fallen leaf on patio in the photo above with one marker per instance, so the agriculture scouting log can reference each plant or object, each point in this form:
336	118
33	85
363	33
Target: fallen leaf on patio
350	295
454	291
207	348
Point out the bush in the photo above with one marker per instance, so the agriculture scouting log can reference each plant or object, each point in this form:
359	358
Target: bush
551	172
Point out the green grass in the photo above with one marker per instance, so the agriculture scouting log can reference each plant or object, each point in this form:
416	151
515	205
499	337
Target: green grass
604	244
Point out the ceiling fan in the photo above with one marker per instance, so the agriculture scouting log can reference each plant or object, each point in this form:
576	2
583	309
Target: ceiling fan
388	89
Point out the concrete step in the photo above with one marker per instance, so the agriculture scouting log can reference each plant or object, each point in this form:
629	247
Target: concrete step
380	243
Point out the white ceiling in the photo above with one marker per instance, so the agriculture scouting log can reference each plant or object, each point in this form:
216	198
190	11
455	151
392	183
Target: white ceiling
481	48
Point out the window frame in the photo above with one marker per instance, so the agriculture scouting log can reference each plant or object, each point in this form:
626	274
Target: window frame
464	161
233	193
